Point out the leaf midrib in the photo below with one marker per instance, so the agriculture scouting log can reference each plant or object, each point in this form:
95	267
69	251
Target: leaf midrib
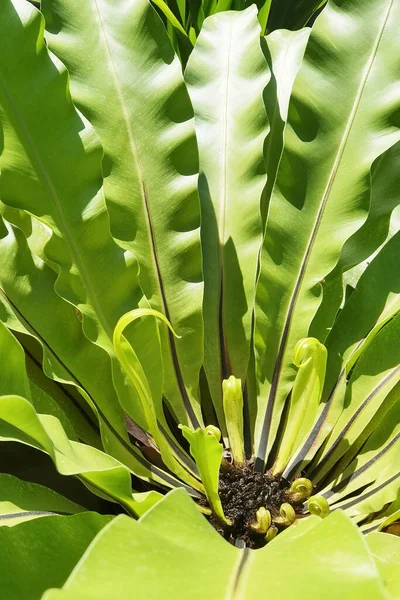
393	373
239	575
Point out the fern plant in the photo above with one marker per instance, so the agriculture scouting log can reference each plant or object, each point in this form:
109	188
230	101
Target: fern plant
200	302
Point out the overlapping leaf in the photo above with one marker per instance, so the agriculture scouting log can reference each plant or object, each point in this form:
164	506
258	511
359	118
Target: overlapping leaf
56	245
94	274
67	354
55	174
191	557
373	303
22	501
20	422
135	98
285	54
342	116
363	245
226	77
42	553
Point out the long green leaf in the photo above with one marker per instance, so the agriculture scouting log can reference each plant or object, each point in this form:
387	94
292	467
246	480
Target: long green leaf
100	472
285	54
341	118
263	14
378	458
373	303
95	274
374	376
226	77
144	121
67	354
184	558
386	552
284	51
33	178
207	452
362	246
41	554
21	501
310	358
163	6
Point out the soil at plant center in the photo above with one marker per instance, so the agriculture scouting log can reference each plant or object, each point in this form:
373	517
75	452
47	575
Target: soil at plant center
242	492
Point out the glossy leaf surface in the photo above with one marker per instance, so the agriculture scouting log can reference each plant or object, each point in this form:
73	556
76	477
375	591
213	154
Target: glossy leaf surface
226	76
42	553
319	201
135	97
20	501
182	554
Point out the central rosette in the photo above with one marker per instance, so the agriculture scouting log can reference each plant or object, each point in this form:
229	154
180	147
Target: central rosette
257	506
246	501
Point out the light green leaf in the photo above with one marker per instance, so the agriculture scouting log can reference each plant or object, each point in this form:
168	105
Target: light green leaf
374	376
128	359
33	177
373	303
331	560
163	6
233	411
386	552
100	472
263	14
95	274
207	452
361	248
341	118
310	358
40	554
68	356
136	100
184	558
226	77
285	54
20	501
